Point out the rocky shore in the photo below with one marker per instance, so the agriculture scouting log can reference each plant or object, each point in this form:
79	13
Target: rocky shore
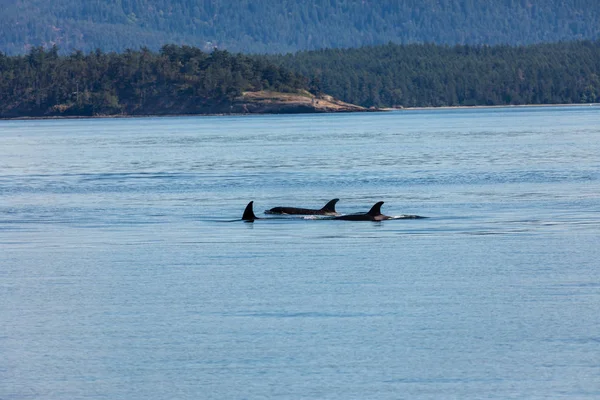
261	102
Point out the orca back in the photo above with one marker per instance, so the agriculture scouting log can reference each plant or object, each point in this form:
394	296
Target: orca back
328	209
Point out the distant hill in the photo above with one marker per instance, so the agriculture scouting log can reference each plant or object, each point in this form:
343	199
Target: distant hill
273	26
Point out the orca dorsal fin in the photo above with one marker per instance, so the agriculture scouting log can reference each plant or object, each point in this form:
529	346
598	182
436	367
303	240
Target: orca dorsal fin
376	209
330	207
249	213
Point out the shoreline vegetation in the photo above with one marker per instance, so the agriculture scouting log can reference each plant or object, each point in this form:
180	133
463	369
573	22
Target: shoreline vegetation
183	80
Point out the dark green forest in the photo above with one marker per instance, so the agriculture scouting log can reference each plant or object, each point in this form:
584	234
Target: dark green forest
183	79
270	26
175	80
434	75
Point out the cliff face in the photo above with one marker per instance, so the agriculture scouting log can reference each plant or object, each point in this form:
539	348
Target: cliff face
278	103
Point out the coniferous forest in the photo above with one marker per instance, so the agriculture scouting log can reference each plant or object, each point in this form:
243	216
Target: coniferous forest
183	79
432	75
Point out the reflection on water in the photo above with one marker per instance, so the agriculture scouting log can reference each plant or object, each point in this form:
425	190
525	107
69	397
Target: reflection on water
127	273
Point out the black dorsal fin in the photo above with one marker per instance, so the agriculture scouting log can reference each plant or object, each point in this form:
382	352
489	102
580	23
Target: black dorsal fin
376	209
330	207
249	213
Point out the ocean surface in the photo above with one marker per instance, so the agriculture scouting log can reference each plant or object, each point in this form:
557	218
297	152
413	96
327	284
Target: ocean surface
126	273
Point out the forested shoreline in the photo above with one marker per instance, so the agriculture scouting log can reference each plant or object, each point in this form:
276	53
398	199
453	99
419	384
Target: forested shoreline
175	80
430	75
187	80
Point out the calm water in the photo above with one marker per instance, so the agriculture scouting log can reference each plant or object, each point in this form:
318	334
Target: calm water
121	277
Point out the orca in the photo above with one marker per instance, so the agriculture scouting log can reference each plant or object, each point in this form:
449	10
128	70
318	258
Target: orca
248	215
328	209
374	214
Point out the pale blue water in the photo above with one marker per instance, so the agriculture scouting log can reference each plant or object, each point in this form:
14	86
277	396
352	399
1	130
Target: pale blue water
119	278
